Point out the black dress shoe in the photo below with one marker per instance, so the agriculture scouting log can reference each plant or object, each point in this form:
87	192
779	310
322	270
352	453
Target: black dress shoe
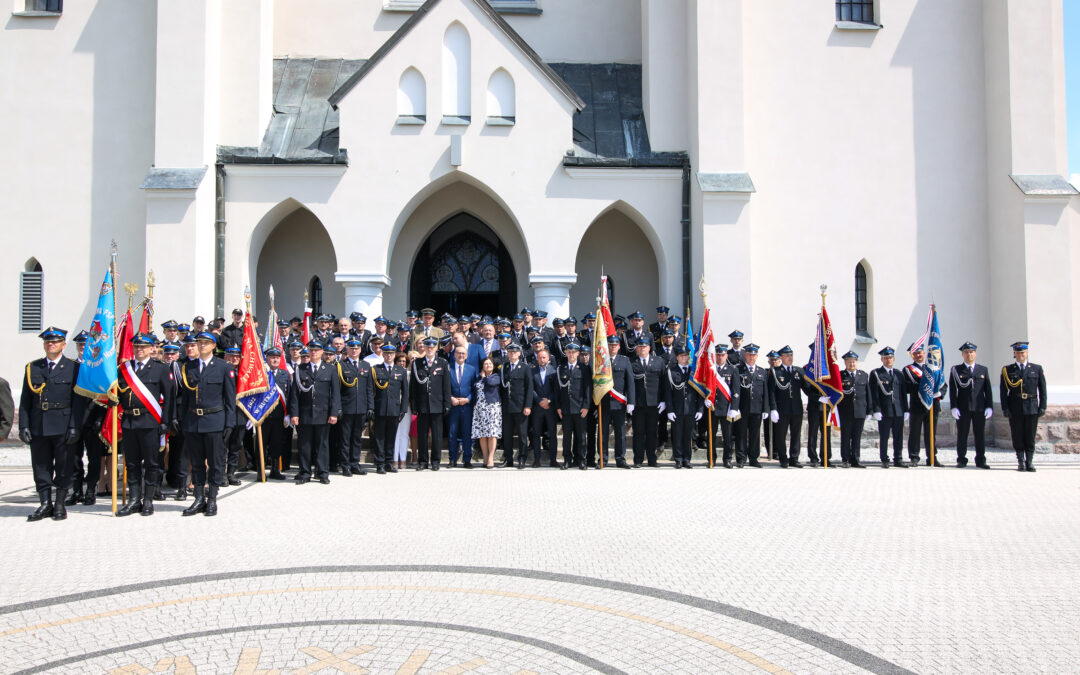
583	467
1030	468
622	464
845	465
795	464
211	507
392	468
813	463
453	464
553	464
984	465
727	463
857	465
536	463
783	464
636	465
520	465
678	465
325	480
467	465
198	506
232	479
359	470
686	465
89	499
900	464
502	463
654	464
276	475
300	480
346	471
434	466
147	508
380	470
74	498
754	463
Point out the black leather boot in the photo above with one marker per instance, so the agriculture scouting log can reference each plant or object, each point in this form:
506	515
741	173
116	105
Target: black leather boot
211	502
181	493
60	510
134	504
1030	455
46	508
76	494
1021	464
199	505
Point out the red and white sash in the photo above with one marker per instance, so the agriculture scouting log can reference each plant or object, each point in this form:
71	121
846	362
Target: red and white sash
141	392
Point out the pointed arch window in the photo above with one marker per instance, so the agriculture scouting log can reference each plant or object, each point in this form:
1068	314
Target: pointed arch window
315	293
862	303
500	98
456	80
412	98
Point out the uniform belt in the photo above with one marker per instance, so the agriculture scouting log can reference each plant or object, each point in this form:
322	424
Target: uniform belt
46	405
207	411
1024	396
135	412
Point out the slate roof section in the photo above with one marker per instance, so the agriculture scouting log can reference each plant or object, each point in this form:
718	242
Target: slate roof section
173	179
304	127
493	15
610	130
1043	185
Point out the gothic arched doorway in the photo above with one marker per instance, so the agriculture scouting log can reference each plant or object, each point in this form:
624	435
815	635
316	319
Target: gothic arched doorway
462	268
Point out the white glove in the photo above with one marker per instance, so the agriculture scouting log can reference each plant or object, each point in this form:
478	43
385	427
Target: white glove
660	408
823	399
697	416
907	416
869	417
877	417
630	409
989	412
735	415
956	413
764	416
708	404
730	415
774	416
671	416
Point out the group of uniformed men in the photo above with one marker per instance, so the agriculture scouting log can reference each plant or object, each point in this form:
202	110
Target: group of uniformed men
344	379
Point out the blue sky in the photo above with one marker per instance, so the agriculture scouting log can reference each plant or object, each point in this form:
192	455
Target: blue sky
1072	80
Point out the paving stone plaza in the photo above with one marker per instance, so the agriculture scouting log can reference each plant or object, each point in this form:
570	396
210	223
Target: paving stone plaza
542	571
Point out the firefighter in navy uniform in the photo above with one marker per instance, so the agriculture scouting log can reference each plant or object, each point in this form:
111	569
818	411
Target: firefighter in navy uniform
429	396
79	478
357	400
142	429
890	407
650	377
971	398
517	401
919	413
753	406
1023	401
684	407
391	404
275	440
613	409
854	409
736	352
50	416
725	412
785	386
208	414
315	405
575	397
657	329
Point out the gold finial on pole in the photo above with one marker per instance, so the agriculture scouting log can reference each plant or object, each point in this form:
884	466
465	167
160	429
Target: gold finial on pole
271	297
131	289
151	282
247	299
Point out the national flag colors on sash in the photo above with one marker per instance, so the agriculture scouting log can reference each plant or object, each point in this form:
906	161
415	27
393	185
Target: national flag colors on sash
602	382
823	369
254	393
706	381
933	373
97	373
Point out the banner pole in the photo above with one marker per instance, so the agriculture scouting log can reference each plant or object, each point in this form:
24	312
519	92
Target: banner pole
933	459
600	436
710	432
112	424
262	458
825	433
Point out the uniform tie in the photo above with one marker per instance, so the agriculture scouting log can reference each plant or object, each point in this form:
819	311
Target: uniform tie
138	366
51	366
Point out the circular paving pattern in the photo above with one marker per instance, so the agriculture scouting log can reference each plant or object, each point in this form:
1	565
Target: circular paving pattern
407	619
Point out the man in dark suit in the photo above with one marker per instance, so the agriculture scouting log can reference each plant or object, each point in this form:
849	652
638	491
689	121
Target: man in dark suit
853	410
1023	400
50	416
650	380
575	397
357	400
683	406
753	406
429	392
208	414
146	393
890	407
462	379
971	398
315	404
785	386
275	441
517	403
544	418
391	405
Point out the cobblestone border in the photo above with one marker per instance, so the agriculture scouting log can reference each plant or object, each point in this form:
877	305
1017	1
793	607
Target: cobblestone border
587	661
847	652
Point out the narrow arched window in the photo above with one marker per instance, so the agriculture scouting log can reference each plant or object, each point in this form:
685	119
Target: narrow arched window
456	80
31	296
500	98
315	293
862	302
412	96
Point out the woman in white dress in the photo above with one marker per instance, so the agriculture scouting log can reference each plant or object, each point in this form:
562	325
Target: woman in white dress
487	413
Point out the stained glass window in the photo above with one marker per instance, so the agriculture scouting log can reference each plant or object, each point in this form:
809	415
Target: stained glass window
465	264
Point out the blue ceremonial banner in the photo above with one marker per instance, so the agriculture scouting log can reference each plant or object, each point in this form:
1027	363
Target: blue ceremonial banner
97	373
258	406
933	378
817	368
691	349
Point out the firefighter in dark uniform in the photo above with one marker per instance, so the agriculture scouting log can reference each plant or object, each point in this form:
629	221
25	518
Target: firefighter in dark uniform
575	397
1023	401
142	430
753	406
79	478
274	438
890	407
971	398
179	469
517	400
50	416
736	352
650	378
684	408
919	414
657	329
357	401
234	442
725	412
585	360
815	429
315	405
390	405
208	414
853	409
786	408
614	411
429	394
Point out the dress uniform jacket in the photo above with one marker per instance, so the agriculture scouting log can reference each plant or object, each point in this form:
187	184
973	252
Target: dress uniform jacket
622	381
971	390
517	385
357	390
911	388
785	390
575	389
393	399
730	375
856	401
649	380
630	340
735	357
887	392
209	397
1028	395
158	379
680	398
57	408
283	381
429	391
753	394
315	397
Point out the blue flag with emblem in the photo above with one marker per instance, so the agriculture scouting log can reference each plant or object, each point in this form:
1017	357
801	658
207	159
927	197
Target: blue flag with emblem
691	348
933	376
98	371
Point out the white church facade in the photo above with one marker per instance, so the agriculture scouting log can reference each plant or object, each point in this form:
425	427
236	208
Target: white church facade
471	156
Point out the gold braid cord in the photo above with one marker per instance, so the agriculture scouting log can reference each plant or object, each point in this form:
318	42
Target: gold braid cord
1011	384
30	383
341	376
376	378
183	378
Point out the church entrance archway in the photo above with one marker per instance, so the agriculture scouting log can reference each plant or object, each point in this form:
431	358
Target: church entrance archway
464	268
